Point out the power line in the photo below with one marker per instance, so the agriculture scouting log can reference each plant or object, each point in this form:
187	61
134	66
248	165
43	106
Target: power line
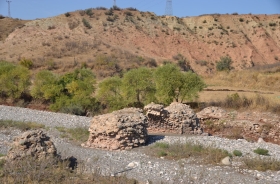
9	10
168	8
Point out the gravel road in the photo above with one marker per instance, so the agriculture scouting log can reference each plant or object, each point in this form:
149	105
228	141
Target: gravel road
134	163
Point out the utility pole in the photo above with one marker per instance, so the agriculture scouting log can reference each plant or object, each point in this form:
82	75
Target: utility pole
168	8
115	3
9	10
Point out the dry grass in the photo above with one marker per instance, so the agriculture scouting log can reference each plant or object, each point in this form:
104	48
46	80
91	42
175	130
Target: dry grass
262	164
30	170
206	155
263	80
20	125
77	134
257	102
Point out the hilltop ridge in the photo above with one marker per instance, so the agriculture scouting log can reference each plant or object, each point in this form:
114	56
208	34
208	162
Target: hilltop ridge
116	39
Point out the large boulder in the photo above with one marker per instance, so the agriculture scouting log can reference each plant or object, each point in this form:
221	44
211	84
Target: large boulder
33	143
119	130
177	118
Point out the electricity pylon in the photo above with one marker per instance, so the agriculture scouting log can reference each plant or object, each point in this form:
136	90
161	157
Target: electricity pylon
168	8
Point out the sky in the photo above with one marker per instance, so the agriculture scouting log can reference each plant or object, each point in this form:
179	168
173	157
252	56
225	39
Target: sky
32	9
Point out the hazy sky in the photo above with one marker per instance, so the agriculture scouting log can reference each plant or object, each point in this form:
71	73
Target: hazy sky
32	9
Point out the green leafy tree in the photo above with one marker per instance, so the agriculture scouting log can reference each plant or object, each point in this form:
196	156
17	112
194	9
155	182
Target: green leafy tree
14	80
224	64
172	84
110	93
139	87
76	96
46	86
192	85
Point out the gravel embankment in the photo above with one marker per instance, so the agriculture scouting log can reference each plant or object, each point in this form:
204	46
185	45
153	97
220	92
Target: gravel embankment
137	164
49	119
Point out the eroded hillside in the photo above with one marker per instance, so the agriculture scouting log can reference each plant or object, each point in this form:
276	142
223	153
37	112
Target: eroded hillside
110	40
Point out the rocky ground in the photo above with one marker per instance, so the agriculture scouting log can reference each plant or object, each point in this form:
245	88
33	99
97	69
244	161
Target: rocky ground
136	164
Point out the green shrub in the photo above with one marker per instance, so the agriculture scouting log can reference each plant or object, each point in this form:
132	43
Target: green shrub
241	20
26	63
261	151
237	153
272	24
46	86
224	63
86	23
204	21
14	80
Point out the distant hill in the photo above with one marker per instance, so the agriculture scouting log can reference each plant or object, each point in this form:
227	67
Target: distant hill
109	41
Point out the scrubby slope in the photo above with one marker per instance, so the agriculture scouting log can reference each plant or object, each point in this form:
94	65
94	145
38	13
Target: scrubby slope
64	41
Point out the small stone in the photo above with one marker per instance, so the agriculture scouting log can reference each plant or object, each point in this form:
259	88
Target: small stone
226	161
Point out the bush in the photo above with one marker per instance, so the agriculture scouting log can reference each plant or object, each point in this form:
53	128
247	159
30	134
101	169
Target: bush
201	62
131	9
116	8
261	151
101	8
86	23
89	12
237	153
241	20
46	86
26	63
224	64
67	14
110	12
272	24
51	27
128	13
14	80
82	12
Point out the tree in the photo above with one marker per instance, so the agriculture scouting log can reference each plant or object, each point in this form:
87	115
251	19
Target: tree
172	84
76	96
224	64
169	81
138	86
192	85
110	94
14	80
46	86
